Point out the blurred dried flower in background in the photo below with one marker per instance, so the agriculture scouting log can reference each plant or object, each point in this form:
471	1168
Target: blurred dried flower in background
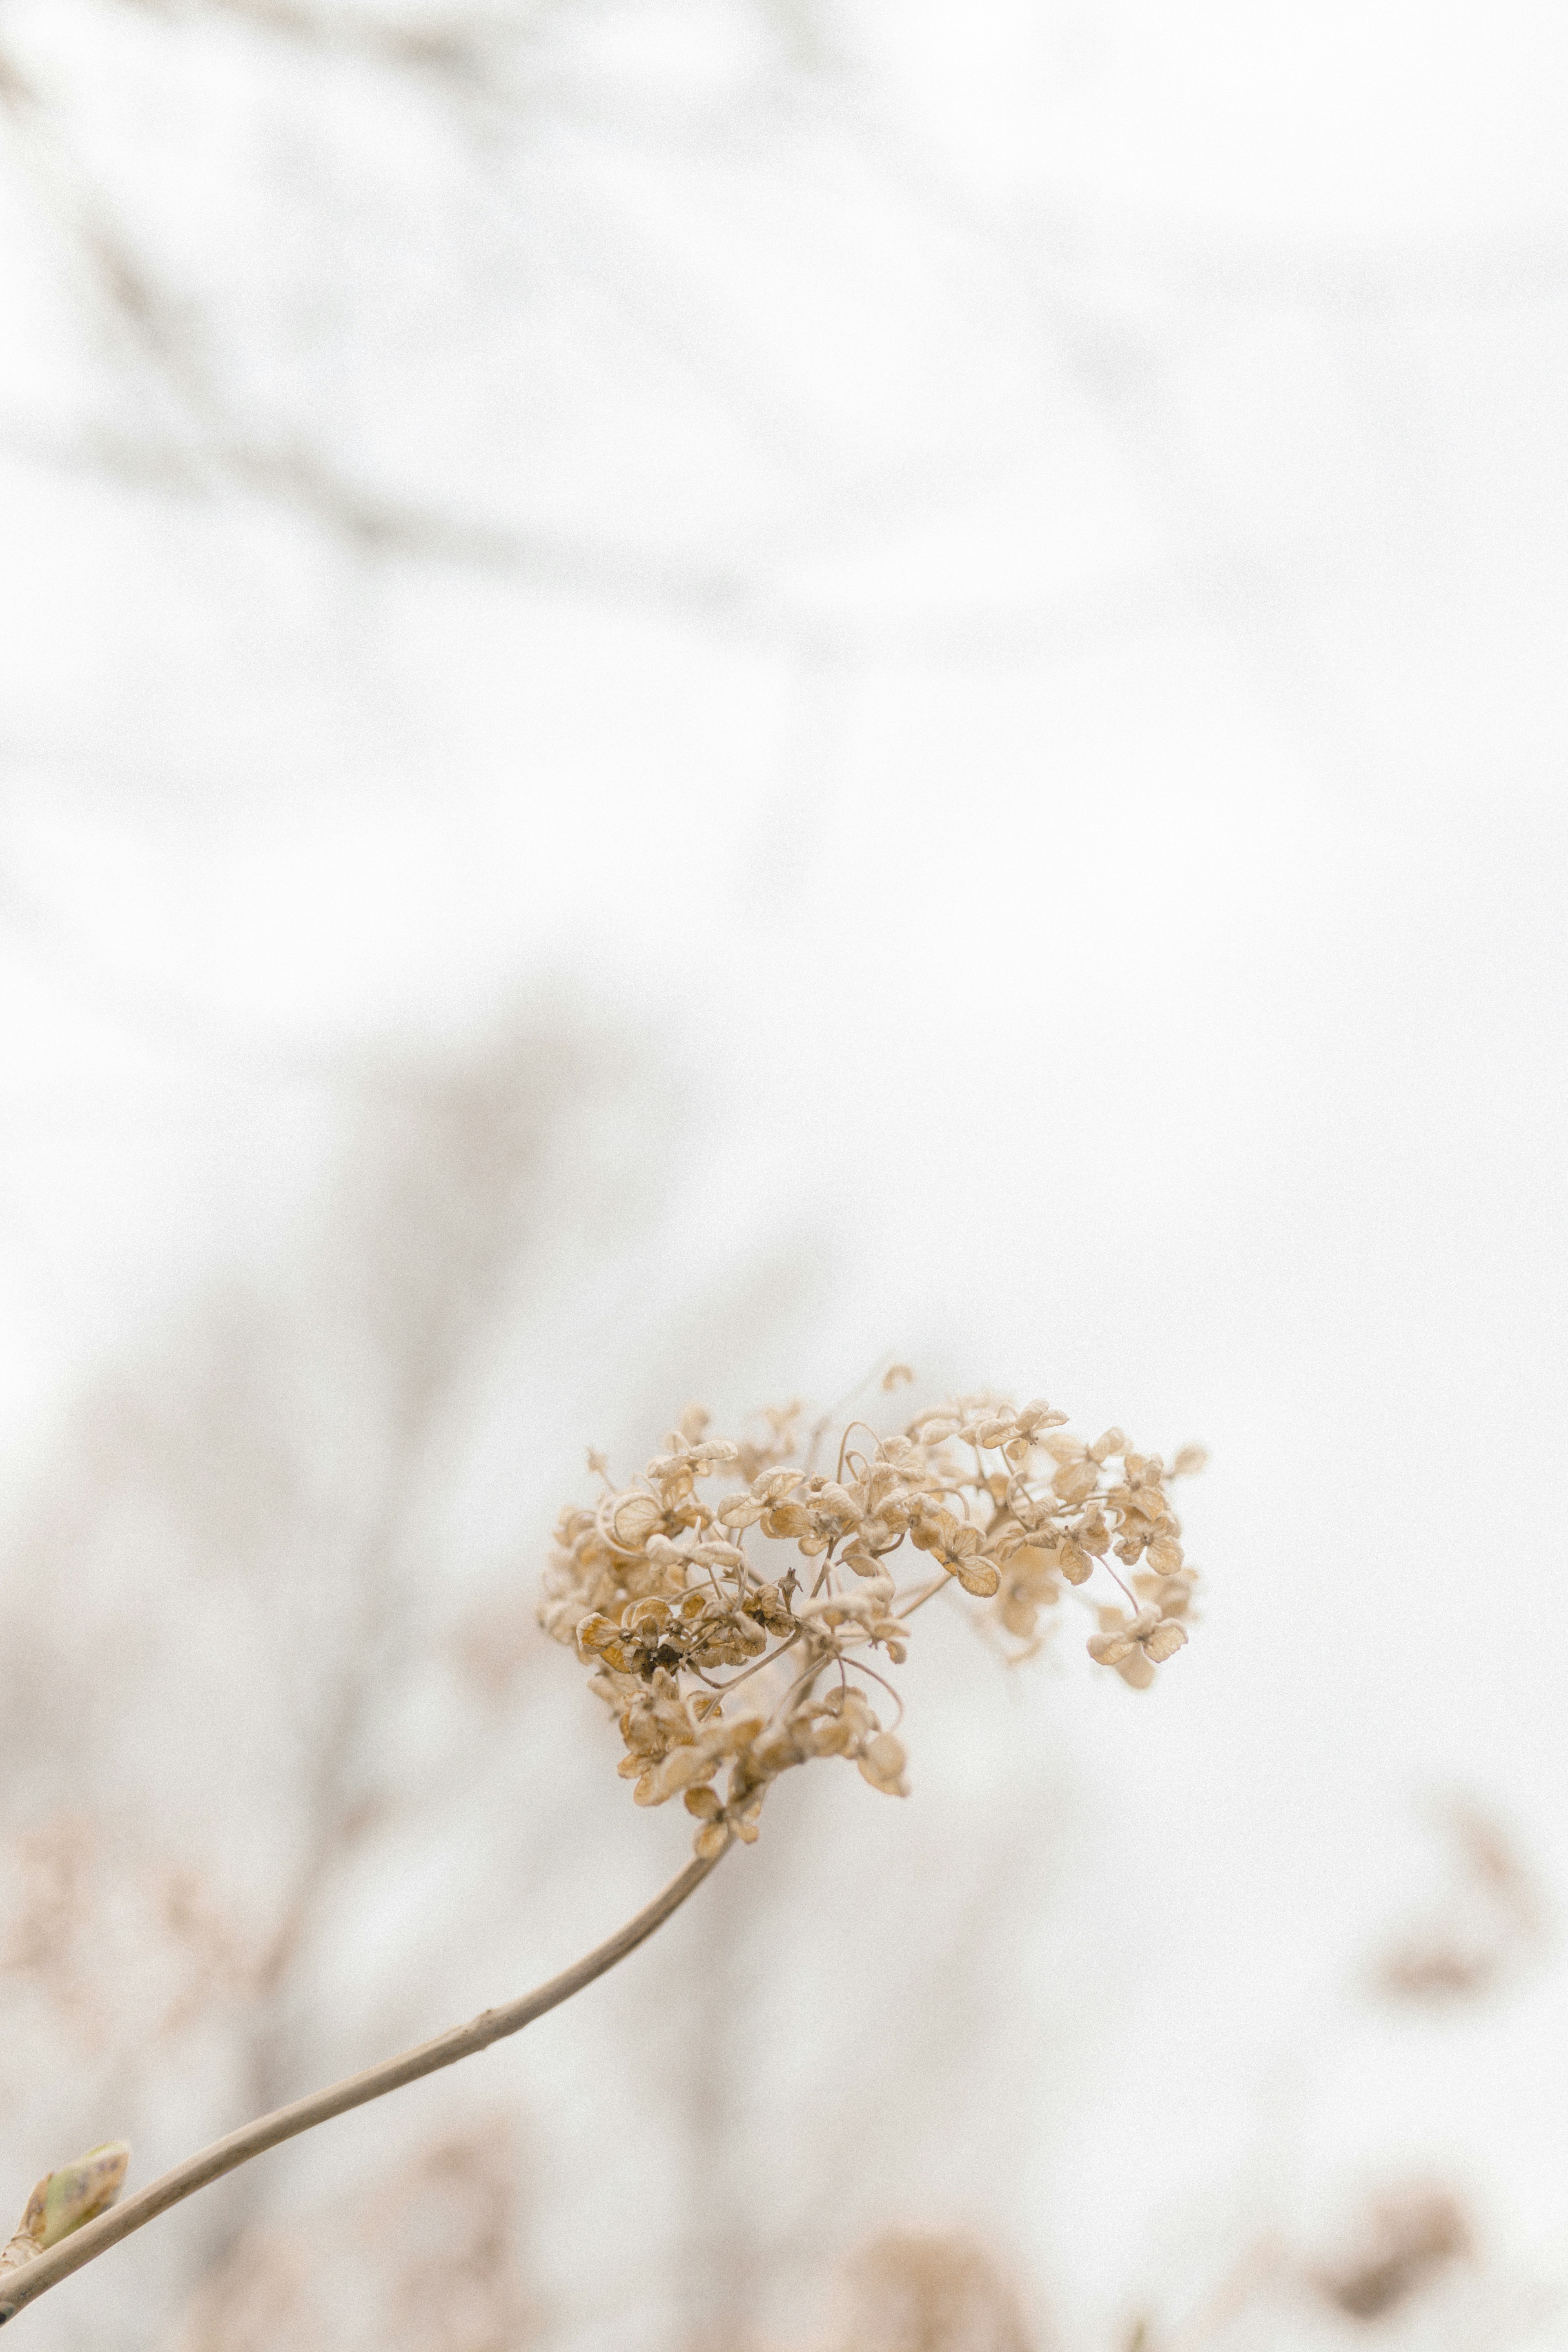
109	1935
1409	2237
1489	1924
423	2260
914	2293
1402	2243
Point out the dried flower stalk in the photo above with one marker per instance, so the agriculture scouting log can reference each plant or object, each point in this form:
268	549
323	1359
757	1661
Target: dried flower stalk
658	1590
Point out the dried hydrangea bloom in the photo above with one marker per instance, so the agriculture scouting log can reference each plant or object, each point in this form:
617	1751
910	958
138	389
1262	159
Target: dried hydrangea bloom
740	1609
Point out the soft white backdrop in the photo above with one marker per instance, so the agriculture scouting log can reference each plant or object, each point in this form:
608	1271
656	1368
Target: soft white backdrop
983	588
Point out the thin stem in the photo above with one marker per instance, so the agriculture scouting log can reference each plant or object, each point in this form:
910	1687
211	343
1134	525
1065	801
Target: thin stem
831	1415
861	1668
94	2238
735	1680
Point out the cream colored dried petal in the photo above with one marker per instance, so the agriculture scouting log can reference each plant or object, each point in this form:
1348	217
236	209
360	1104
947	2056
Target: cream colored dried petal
710	1840
703	1803
827	1494
740	1511
713	1451
861	1603
1164	1641
713	1553
768	1605
1189	1461
780	1751
980	1577
680	1767
561	1619
599	1636
1165	1556
632	1519
1074	1481
1075	1563
883	1764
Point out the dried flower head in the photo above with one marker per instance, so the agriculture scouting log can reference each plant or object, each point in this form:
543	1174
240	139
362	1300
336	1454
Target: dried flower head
740	1609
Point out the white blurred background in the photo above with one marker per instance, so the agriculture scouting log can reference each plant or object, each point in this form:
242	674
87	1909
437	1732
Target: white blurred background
691	694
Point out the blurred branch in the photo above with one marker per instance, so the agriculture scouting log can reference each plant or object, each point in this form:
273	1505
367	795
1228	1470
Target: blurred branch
200	447
461	46
254	2140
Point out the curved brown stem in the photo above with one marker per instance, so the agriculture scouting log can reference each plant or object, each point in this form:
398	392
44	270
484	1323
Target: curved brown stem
94	2238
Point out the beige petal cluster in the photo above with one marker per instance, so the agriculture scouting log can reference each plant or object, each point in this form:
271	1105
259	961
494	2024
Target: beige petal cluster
740	1607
